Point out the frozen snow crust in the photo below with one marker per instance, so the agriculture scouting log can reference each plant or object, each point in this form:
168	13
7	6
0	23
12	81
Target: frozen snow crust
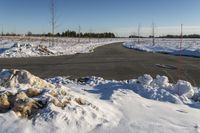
93	104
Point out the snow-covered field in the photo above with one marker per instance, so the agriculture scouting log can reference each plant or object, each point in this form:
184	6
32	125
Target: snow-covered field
42	46
189	47
93	104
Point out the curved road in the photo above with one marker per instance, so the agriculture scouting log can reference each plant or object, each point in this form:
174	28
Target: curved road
111	61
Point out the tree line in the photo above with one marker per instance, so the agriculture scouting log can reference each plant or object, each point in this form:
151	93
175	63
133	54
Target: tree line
169	36
69	33
178	36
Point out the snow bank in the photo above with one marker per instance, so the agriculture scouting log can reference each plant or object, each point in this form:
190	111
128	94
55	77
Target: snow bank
34	47
156	89
170	46
14	78
146	116
132	99
92	104
49	107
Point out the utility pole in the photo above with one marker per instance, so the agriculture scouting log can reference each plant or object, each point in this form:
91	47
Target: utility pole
153	34
139	28
2	31
181	38
53	21
180	59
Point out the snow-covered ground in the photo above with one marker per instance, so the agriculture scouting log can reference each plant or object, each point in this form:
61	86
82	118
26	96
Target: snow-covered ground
189	47
95	105
42	46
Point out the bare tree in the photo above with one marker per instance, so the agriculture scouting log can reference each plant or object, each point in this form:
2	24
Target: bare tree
181	38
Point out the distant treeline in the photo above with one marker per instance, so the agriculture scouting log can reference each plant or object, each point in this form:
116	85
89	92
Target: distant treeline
134	36
75	34
86	35
10	34
178	36
69	34
170	36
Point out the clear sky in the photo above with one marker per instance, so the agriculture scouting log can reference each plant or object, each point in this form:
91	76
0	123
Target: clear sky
118	16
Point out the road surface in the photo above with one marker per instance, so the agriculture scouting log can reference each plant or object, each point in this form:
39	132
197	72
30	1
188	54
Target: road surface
111	61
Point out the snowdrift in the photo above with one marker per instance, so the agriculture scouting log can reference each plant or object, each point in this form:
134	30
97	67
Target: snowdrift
26	96
92	104
158	89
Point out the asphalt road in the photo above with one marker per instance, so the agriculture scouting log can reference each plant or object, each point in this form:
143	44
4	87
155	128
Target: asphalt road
111	62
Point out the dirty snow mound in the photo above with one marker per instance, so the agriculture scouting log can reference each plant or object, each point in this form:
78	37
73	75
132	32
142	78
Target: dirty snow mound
51	106
14	78
26	50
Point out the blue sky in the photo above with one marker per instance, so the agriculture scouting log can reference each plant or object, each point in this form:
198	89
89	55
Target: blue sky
119	16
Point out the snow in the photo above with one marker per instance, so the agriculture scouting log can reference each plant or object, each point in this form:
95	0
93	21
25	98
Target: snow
62	109
97	105
190	47
146	116
41	46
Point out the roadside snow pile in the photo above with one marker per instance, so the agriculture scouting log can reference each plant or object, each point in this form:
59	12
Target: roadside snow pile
140	114
26	50
48	106
95	105
34	47
189	48
18	79
156	89
160	89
